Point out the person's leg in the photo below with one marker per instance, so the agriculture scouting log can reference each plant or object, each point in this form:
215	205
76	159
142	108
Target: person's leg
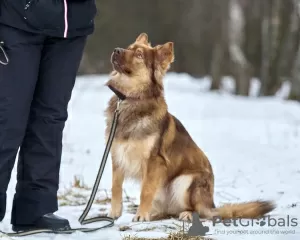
17	84
41	150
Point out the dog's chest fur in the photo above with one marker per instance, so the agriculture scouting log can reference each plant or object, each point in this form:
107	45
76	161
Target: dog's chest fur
134	141
132	155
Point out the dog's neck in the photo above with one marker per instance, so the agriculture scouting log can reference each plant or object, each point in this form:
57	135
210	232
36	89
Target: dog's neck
154	91
120	95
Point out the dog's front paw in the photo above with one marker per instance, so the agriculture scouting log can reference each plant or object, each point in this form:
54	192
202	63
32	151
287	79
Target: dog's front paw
186	216
115	212
141	217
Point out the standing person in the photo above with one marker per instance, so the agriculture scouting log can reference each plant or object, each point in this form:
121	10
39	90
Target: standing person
44	41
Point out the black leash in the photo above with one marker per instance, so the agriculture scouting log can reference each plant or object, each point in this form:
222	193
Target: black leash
82	219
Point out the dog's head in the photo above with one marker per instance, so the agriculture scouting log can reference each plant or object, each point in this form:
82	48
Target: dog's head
139	69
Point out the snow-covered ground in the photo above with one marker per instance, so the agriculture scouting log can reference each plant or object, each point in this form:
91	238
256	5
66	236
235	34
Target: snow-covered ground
253	145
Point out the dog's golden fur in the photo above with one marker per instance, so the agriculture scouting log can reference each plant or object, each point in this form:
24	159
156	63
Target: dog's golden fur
153	147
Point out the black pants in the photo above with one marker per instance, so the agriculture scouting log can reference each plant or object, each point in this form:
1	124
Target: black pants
35	89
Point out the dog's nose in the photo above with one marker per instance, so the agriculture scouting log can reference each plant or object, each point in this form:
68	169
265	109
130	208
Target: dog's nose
118	51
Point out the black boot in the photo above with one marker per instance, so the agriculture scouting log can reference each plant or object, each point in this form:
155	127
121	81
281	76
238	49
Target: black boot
48	221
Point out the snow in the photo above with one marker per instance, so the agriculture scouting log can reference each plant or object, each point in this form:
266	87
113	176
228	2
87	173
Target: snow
252	143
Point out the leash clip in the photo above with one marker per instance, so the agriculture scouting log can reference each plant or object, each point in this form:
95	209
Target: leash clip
118	105
4	53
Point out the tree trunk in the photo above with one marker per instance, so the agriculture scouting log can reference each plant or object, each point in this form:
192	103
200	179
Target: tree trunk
291	44
265	53
241	67
284	20
216	66
295	83
221	43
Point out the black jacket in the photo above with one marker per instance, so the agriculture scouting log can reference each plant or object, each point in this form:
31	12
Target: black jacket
56	18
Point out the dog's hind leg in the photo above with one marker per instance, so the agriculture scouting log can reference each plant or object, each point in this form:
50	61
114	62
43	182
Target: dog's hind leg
190	192
201	195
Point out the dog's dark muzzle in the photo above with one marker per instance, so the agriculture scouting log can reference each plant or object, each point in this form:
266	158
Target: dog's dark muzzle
118	51
118	57
118	54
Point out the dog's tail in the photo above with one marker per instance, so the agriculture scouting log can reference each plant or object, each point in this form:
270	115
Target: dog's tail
249	210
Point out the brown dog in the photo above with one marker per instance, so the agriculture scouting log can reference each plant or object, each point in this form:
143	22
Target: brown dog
153	147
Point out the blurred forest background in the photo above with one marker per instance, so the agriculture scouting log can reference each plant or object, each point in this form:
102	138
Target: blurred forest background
244	39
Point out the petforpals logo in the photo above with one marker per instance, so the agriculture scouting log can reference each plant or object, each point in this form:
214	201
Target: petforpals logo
266	221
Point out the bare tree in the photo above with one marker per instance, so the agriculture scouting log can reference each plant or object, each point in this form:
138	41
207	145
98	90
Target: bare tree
241	66
220	42
276	24
295	82
266	50
284	9
291	43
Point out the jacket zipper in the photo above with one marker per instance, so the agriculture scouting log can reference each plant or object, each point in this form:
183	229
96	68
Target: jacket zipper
66	19
27	5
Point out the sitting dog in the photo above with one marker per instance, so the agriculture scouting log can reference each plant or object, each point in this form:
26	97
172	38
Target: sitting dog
153	147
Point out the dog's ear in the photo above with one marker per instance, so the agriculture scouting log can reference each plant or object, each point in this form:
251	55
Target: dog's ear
142	38
165	53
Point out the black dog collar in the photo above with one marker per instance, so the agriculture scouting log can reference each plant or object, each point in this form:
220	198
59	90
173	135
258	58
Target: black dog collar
118	93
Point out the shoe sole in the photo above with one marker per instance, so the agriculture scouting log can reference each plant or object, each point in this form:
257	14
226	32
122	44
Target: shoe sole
33	228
